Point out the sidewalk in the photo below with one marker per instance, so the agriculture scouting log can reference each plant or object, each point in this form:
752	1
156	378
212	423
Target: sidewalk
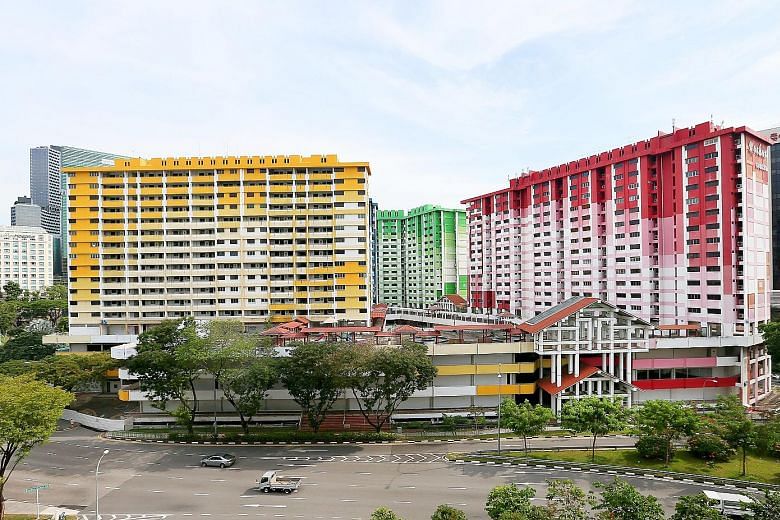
29	508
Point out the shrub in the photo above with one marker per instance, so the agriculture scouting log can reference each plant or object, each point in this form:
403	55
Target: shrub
384	513
651	447
768	439
285	436
446	512
707	446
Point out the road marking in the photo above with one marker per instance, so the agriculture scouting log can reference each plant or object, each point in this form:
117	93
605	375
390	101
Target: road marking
408	487
218	480
348	500
459	488
201	494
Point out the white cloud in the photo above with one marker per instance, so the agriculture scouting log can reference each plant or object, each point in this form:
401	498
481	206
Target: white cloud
463	34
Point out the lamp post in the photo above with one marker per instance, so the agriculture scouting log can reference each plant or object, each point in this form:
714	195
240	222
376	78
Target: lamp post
97	489
500	380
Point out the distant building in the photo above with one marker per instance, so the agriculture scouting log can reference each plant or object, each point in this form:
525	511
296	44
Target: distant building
373	207
421	255
48	189
26	257
25	213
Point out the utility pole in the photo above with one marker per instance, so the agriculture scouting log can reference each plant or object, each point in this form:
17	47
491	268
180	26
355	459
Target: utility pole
500	380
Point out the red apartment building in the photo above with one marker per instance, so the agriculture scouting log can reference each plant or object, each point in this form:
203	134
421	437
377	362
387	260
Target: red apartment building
674	229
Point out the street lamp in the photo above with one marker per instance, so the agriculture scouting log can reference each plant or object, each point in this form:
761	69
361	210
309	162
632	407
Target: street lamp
500	380
97	489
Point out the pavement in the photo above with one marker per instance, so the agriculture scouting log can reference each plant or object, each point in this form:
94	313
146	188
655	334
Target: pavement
158	481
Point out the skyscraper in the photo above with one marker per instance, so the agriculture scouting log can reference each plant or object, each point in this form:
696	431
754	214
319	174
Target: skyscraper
25	213
48	189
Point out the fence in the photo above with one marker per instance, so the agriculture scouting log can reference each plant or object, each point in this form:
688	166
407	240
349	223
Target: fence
96	423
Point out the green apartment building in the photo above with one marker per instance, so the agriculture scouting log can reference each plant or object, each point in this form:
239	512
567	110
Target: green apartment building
421	255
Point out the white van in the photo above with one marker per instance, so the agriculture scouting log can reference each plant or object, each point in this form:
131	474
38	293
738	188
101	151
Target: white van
730	504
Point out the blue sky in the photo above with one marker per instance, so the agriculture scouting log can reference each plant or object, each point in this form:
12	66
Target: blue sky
445	99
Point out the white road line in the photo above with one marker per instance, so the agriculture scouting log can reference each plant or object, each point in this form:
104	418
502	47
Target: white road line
201	494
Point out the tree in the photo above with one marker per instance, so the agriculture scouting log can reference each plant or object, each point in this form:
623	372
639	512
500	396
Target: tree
510	498
381	378
766	509
384	513
77	371
566	501
167	363
696	507
447	512
597	416
56	292
525	419
669	420
12	291
313	376
771	333
26	346
8	316
29	411
731	421
619	500
246	383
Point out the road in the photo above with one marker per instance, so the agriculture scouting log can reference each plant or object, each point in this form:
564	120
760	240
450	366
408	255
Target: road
339	481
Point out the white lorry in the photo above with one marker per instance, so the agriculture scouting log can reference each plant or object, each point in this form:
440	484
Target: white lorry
271	481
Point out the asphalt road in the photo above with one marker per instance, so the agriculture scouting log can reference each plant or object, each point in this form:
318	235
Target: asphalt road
339	481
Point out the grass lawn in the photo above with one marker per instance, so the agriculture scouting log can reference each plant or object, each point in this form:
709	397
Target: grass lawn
760	469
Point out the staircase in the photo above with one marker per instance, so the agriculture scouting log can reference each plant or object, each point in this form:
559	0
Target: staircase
339	422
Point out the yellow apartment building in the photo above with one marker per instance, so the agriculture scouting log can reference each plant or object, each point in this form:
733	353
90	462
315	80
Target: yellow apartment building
255	238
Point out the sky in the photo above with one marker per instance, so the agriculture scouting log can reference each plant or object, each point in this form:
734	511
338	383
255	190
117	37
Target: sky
445	99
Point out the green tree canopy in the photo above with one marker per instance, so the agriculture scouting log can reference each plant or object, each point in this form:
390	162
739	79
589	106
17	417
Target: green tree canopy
167	363
381	378
29	411
525	419
74	372
12	291
447	512
384	513
696	507
313	374
668	420
732	423
594	415
619	500
567	501
768	508
511	499
771	333
25	346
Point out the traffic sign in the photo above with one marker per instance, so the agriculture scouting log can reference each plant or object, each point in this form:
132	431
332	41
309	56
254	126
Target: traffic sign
36	488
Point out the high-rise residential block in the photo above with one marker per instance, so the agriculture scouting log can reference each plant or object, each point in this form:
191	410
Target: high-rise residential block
251	238
26	257
674	229
773	137
422	255
25	213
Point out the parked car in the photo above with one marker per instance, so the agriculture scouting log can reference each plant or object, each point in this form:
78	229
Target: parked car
271	481
224	460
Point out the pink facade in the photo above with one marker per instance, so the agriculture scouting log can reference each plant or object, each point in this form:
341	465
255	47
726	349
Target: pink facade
674	229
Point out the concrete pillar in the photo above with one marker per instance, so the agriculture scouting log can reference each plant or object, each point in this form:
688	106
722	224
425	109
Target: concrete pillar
629	369
570	368
611	368
577	365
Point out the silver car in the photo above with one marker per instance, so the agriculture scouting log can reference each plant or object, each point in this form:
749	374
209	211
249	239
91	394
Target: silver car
224	460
